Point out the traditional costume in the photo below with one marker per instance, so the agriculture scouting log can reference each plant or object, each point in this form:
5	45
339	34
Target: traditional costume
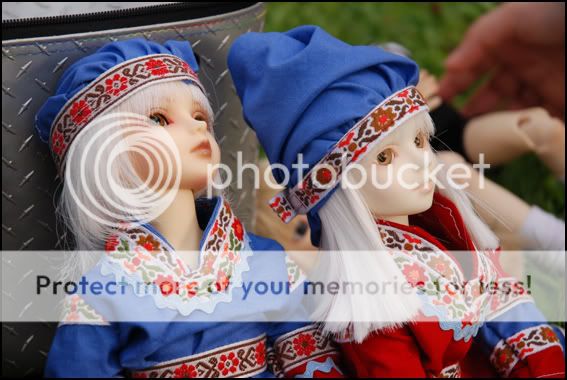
184	323
305	92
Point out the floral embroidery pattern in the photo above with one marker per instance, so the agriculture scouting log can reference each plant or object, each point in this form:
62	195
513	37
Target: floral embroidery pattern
392	112
521	345
104	92
304	344
241	359
116	84
301	346
139	252
76	310
430	269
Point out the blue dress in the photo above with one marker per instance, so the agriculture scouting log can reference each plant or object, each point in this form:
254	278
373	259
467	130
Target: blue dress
156	318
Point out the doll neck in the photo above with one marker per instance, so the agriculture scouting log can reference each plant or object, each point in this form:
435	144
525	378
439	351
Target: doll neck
180	227
400	219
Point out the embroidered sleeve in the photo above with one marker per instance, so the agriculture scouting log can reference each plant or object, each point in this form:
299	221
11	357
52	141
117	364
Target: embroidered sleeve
305	352
531	352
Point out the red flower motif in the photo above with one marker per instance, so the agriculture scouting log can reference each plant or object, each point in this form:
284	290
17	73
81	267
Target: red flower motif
166	285
414	274
228	363
192	289
304	344
116	84
111	243
185	372
238	231
58	143
222	281
403	94
157	67
80	112
260	353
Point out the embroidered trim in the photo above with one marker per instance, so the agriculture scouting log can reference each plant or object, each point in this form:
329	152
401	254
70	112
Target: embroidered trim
144	257
508	352
242	359
295	275
431	270
450	372
301	346
325	175
77	311
110	88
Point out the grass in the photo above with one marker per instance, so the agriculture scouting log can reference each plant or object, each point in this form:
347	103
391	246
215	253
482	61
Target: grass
430	31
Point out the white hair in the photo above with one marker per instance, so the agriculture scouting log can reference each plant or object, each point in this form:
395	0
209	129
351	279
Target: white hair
76	208
348	225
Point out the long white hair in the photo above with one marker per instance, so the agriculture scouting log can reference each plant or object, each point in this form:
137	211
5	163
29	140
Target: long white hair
348	225
94	195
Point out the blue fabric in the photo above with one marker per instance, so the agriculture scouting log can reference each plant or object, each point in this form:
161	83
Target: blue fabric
302	90
84	71
106	351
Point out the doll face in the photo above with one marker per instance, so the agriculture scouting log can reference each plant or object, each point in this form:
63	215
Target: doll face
187	123
398	165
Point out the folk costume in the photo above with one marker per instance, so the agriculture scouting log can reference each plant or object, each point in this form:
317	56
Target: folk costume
305	92
195	323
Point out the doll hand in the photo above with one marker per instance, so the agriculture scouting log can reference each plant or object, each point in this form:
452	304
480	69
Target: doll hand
545	136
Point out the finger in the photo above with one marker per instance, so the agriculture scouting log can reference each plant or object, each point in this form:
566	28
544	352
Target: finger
485	99
455	82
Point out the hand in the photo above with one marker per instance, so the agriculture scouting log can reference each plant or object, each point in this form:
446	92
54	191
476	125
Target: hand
522	47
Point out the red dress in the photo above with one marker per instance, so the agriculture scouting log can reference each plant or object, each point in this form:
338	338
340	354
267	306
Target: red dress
448	340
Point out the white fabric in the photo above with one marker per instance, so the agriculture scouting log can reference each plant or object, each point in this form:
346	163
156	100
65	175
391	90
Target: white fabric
543	231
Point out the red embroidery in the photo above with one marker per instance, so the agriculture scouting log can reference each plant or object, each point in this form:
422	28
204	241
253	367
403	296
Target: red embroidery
185	372
346	141
238	231
222	281
157	67
116	84
167	285
260	353
80	111
304	344
228	363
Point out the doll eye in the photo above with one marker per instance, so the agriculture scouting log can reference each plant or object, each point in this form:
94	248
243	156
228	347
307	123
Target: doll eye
385	157
159	119
420	140
300	229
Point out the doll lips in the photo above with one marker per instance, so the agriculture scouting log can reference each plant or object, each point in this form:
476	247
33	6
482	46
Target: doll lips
203	149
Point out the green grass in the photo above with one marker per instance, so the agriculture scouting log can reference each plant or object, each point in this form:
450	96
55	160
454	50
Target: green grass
430	31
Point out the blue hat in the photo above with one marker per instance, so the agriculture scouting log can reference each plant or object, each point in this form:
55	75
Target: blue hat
103	79
306	92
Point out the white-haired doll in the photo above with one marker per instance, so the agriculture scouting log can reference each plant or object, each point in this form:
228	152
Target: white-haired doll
335	107
131	132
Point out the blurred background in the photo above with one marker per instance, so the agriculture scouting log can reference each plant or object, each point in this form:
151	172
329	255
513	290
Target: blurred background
430	31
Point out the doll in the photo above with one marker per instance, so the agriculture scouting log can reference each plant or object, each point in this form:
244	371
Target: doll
502	136
194	251
318	100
